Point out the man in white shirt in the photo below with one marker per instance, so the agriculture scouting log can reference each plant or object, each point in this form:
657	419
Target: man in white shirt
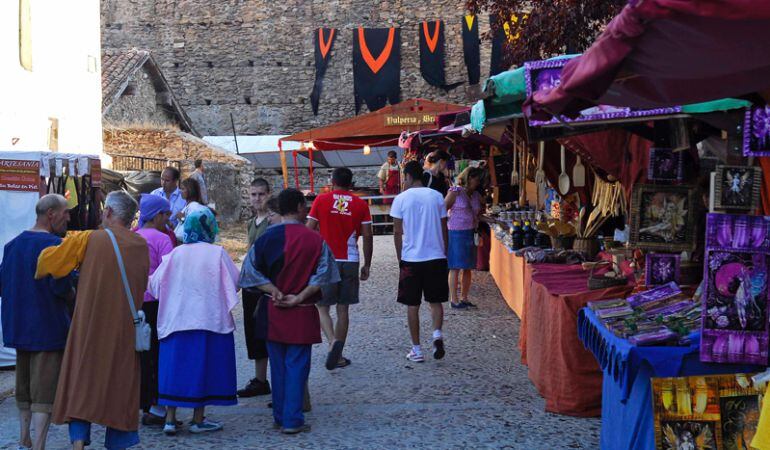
420	236
169	189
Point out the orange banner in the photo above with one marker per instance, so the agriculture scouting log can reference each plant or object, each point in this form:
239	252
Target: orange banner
19	175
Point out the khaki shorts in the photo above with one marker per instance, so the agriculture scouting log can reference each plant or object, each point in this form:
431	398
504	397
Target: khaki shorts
37	374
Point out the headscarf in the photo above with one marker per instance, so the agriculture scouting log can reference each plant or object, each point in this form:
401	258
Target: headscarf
150	206
200	226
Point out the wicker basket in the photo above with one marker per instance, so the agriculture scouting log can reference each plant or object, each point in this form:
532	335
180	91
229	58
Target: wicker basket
562	242
602	282
587	246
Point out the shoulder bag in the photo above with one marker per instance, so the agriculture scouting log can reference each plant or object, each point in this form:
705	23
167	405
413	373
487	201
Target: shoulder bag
141	327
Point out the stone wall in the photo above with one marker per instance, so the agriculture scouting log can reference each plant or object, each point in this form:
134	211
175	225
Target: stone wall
364	177
139	107
228	176
254	58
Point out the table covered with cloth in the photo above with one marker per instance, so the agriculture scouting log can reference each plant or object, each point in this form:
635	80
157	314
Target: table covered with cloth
507	270
627	415
560	367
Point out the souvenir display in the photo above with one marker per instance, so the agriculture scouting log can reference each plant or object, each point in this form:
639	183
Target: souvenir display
756	131
733	231
661	268
737	188
705	412
665	165
663	217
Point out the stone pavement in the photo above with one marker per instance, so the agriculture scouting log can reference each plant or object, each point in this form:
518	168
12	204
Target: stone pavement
478	396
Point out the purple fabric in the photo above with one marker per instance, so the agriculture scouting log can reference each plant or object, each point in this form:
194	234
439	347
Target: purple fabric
159	244
659	53
463	214
150	206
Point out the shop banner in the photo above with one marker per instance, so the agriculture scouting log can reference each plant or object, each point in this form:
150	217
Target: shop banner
376	67
546	75
432	54
324	41
96	173
19	175
472	48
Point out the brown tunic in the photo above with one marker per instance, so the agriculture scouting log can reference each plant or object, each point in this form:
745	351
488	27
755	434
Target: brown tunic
99	379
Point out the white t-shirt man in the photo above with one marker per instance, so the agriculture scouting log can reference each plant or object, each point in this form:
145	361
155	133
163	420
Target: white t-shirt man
421	210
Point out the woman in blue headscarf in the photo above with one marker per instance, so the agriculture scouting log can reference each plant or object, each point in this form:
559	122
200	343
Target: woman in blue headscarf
196	285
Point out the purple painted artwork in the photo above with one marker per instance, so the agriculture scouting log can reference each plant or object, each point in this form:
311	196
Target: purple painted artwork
737	188
735	327
756	131
664	165
545	75
661	268
737	231
658	293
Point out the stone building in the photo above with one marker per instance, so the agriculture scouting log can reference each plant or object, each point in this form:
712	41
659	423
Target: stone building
254	58
143	118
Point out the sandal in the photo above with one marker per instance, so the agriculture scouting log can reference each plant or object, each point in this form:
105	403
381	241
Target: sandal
343	362
333	358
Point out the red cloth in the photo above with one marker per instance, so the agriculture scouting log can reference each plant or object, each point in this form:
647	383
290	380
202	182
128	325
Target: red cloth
562	370
659	53
339	215
764	163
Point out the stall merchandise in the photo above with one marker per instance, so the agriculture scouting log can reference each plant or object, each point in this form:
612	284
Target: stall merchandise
663	217
662	268
737	188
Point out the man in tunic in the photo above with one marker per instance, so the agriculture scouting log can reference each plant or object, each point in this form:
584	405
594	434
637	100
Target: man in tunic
99	380
290	263
35	317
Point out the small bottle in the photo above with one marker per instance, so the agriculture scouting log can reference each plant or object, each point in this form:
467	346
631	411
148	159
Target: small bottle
517	236
529	234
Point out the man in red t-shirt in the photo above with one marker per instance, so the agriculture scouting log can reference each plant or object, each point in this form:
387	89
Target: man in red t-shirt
342	217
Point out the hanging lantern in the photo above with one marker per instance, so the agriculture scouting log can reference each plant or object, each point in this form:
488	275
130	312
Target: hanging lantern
367	150
311	145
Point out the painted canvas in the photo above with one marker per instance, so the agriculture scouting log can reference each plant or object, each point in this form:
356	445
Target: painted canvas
661	268
705	412
756	131
662	218
737	188
737	231
665	165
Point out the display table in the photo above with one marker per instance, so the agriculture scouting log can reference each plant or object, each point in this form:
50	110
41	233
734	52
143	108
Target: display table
563	371
507	270
627	416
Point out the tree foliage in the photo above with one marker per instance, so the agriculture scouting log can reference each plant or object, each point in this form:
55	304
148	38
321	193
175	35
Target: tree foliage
550	28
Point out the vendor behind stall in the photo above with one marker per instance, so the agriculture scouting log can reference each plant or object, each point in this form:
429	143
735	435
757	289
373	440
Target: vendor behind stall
390	177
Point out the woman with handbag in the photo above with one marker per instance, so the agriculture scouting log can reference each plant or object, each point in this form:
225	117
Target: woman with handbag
195	324
464	207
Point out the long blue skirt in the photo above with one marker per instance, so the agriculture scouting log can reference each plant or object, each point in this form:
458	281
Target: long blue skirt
197	368
461	253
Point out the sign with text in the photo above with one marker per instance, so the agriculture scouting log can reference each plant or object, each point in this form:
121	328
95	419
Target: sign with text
96	173
19	175
408	120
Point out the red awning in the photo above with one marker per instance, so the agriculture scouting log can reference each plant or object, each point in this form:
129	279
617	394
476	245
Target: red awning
380	128
659	53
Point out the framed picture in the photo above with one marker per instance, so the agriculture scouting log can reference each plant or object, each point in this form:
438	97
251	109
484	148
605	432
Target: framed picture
664	165
737	188
663	217
661	268
756	131
705	412
545	75
735	302
737	231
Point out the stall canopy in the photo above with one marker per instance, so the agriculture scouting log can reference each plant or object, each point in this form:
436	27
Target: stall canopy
262	151
380	128
662	53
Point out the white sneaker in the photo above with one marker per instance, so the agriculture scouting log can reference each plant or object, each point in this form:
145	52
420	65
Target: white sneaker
415	357
169	429
205	427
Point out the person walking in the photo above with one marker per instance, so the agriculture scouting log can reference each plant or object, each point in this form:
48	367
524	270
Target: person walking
197	288
464	207
341	218
154	213
169	189
105	390
35	318
199	176
289	263
420	236
389	177
434	175
256	348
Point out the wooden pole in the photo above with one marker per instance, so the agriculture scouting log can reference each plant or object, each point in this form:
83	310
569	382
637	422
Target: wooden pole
284	166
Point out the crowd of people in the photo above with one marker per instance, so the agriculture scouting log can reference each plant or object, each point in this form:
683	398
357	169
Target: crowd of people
137	316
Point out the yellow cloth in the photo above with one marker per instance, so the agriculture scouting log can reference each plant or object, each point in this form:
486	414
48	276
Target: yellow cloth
762	436
59	260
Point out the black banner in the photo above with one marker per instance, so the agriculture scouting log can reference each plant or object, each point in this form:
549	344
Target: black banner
376	67
472	48
496	65
432	54
324	40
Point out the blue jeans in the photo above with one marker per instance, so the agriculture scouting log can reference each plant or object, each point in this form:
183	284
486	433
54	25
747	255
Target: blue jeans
113	439
289	370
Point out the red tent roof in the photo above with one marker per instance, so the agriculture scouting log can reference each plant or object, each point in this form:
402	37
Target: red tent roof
379	128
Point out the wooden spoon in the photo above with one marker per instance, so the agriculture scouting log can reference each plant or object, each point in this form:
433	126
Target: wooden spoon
579	173
563	177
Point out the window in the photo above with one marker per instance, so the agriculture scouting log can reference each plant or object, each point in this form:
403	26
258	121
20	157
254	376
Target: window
25	34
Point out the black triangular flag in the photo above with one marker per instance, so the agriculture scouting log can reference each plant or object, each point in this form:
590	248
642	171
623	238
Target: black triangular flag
376	67
472	48
432	54
324	40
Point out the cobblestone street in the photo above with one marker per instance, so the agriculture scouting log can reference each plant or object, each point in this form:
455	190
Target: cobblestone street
478	396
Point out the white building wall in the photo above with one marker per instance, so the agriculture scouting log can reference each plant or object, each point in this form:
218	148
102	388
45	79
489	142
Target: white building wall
65	81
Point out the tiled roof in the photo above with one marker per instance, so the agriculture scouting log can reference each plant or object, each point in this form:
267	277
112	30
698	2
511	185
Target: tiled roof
118	66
